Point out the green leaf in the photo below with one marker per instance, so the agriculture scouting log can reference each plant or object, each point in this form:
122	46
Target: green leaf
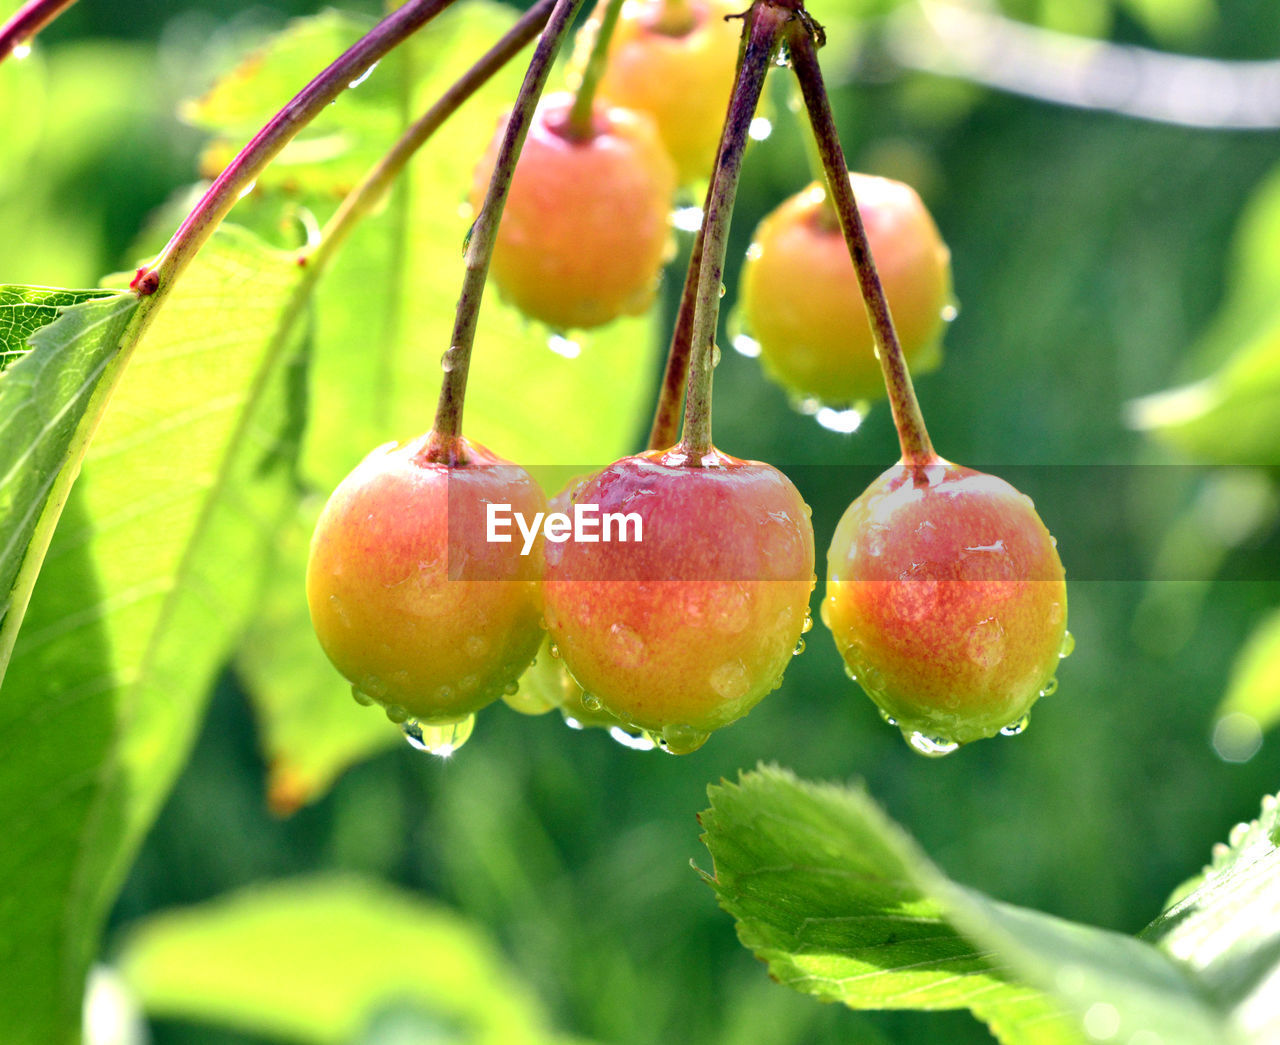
314	960
383	318
842	904
55	346
1231	415
1224	926
1254	688
332	152
148	581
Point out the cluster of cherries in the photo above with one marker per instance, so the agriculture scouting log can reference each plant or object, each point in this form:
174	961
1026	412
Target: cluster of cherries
944	590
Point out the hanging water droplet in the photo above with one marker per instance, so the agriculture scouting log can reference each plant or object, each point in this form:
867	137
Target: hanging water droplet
807	626
681	739
799	648
634	741
511	688
1014	728
396	713
849	670
447	361
1068	645
591	702
723	291
362	698
555	651
845	422
563	346
440	740
887	717
930	747
715	355
1050	687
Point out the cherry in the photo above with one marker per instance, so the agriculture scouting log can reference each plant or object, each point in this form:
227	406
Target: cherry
800	300
946	597
674	61
685	630
409	599
585	229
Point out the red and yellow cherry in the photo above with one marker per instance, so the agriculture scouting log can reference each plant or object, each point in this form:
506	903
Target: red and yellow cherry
585	229
685	629
409	599
948	603
800	300
675	60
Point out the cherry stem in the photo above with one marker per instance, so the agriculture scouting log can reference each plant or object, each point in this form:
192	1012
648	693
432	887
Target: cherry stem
365	196
28	20
763	32
241	172
580	123
484	233
666	415
913	436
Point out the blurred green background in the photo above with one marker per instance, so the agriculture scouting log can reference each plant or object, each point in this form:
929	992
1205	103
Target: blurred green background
1091	252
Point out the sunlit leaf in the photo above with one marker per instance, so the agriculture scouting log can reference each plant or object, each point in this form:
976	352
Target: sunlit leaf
148	581
1254	689
55	346
843	905
315	960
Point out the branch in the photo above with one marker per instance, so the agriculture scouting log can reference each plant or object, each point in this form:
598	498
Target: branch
29	20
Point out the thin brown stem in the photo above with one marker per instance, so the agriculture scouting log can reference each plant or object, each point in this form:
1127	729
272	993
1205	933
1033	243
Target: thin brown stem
666	415
28	20
241	172
763	33
484	233
912	433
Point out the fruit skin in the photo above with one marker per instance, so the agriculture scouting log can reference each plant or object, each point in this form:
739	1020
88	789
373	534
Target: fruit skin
585	230
687	630
408	599
679	71
947	600
800	300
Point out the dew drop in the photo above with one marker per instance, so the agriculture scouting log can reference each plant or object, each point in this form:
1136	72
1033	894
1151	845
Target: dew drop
887	717
627	646
591	702
396	713
844	422
373	686
1068	646
440	740
930	747
555	651
730	680
715	350
1014	728
476	646
511	688
849	670
362	698
799	648
1050	687
985	644
634	741
682	739
723	291
448	361
807	626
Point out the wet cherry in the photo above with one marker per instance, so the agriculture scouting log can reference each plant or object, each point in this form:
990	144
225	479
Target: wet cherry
947	600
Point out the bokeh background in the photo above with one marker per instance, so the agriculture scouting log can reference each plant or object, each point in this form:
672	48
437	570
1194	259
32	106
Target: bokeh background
1093	258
